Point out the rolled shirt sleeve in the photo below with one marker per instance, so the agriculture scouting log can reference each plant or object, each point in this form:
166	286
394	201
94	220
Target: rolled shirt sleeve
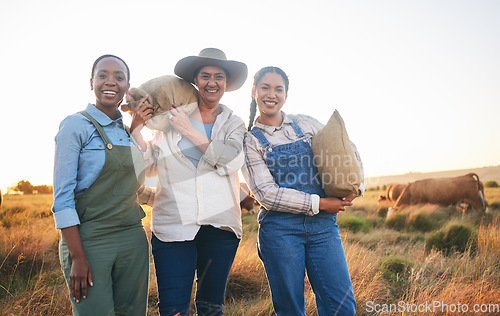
226	156
68	145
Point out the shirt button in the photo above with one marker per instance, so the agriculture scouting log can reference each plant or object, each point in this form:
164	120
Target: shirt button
120	139
270	149
114	125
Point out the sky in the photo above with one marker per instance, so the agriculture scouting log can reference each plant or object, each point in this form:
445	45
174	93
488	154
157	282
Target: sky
416	82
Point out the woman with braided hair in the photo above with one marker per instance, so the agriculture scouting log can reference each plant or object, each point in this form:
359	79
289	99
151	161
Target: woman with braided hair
297	222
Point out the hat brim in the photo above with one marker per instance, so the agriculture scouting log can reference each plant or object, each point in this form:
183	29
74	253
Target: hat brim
237	71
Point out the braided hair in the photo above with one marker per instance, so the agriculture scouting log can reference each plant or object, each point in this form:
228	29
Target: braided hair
256	78
112	56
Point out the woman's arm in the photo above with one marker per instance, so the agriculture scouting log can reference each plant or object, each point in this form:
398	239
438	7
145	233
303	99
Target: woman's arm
146	195
269	194
226	154
181	122
80	268
334	205
142	113
225	151
69	141
265	189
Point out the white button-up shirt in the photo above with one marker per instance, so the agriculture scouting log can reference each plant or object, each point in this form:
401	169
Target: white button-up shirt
188	197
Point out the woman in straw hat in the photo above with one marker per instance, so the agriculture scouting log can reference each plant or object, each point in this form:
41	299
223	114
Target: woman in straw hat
196	218
294	235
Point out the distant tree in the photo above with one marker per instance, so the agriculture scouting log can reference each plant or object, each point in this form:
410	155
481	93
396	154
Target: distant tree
43	189
24	186
491	184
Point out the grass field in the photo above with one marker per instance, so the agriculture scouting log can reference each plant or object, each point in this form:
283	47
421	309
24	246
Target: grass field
424	257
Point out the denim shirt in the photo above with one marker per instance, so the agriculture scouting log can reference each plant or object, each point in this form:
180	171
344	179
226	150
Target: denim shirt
79	159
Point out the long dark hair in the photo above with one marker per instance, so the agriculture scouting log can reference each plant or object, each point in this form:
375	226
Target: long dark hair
112	56
256	78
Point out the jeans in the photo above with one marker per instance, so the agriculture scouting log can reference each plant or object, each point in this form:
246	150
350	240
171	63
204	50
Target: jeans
288	245
210	255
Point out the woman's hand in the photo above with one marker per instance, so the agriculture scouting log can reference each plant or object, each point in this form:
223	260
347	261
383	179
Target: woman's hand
79	276
180	121
334	205
80	269
142	113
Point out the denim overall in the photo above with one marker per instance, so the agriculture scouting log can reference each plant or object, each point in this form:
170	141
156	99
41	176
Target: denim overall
113	238
289	244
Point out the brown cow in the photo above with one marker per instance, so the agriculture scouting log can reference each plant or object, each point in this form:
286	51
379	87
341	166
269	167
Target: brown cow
392	193
460	190
247	200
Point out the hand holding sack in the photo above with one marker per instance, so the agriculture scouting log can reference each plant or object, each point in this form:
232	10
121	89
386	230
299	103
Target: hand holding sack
162	93
335	158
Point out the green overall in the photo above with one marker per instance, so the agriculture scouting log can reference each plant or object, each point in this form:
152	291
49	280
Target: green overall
113	237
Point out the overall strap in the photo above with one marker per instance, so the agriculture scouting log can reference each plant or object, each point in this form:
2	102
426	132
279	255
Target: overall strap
297	129
100	130
260	136
132	139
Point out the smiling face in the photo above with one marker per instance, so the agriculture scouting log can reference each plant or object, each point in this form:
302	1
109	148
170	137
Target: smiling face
110	83
211	83
270	95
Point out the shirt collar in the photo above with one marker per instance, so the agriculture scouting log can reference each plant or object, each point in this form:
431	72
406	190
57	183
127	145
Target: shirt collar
100	117
271	129
221	118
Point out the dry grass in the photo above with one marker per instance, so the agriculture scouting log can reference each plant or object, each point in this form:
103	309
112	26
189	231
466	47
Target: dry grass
31	280
462	278
387	265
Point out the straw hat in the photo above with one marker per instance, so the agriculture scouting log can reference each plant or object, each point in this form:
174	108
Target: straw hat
237	71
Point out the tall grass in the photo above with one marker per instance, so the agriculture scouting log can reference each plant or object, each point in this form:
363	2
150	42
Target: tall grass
31	281
389	264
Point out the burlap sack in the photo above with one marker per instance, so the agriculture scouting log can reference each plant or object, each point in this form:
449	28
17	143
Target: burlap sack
162	92
335	158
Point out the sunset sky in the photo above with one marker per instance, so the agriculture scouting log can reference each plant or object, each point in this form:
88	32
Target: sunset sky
417	82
